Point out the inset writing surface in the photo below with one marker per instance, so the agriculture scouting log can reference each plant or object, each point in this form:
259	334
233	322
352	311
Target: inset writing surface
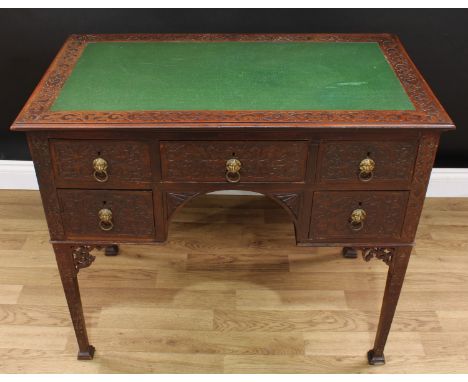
125	76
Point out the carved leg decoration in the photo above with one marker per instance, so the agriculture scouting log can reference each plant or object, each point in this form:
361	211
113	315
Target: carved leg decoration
111	250
70	260
349	252
397	259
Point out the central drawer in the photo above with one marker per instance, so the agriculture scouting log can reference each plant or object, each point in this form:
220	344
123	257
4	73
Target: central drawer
234	161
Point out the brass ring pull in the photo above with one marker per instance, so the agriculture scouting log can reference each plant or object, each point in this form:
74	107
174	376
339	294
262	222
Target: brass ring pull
233	167
105	219
366	170
100	170
232	177
357	218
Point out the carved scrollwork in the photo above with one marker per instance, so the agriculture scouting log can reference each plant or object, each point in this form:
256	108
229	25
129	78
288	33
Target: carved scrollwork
82	256
291	201
384	254
175	199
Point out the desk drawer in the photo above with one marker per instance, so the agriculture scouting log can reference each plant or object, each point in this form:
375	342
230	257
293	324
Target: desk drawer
259	161
368	162
100	163
358	215
107	214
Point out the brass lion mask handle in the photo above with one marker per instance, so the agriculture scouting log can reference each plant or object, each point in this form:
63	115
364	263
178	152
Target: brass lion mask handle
357	218
100	170
366	169
233	167
105	219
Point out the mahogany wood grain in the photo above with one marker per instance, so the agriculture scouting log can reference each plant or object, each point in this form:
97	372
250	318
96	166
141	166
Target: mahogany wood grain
128	163
205	161
394	160
132	214
306	161
330	219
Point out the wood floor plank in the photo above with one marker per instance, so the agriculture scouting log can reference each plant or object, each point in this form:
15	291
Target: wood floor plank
16	361
132	297
290	299
146	362
12	241
42	315
193	341
452	343
33	337
342	364
230	292
453	320
153	318
319	320
9	294
208	280
236	262
409	300
344	344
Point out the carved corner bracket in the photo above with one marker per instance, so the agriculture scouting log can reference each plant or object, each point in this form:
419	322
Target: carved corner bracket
291	201
384	254
82	257
176	199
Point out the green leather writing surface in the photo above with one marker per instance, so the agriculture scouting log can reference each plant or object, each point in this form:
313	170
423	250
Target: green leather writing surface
112	76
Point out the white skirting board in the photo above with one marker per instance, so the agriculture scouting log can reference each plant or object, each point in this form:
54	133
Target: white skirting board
445	182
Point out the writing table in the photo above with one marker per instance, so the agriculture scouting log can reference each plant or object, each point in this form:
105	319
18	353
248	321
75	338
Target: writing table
339	129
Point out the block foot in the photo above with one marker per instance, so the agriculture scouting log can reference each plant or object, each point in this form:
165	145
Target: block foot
86	355
112	250
375	359
349	253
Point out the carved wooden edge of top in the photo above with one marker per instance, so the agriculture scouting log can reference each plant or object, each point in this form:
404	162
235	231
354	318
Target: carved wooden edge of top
428	109
380	253
82	258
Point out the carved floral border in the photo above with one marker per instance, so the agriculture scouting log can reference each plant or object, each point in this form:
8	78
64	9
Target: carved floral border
428	110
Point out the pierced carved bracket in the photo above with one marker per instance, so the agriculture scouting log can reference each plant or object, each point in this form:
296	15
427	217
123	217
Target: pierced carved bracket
385	254
175	199
82	256
291	201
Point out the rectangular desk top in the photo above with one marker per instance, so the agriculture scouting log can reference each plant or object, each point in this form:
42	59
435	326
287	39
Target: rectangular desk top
232	76
215	80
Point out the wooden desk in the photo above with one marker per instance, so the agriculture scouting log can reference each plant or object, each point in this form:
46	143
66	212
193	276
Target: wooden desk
340	130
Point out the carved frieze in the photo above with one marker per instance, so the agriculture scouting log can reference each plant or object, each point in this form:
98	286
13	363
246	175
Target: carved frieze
427	108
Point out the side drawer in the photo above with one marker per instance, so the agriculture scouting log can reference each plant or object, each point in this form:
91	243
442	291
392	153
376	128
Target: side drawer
123	162
261	161
85	214
391	161
336	215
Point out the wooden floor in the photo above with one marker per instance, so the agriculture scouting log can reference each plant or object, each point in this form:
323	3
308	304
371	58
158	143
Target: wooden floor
230	292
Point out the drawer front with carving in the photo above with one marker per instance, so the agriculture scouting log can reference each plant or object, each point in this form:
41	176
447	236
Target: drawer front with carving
234	161
107	214
368	162
100	163
357	215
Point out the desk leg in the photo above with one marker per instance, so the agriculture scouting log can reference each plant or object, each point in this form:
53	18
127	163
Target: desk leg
396	274
70	259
